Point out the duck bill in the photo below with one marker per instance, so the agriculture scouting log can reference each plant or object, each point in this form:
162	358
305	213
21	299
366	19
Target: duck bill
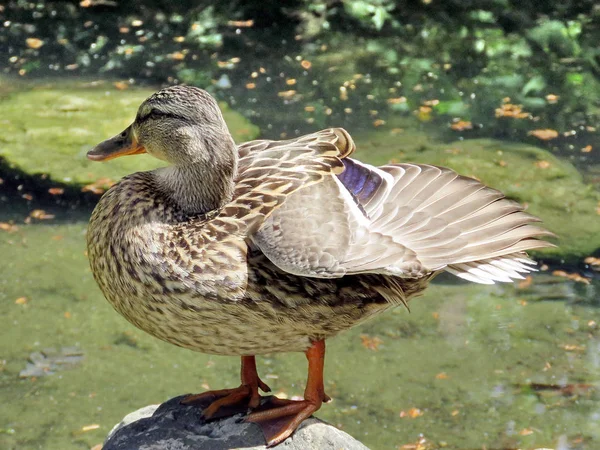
120	145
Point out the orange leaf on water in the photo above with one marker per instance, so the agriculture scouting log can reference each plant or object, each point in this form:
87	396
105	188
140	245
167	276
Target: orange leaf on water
545	134
371	343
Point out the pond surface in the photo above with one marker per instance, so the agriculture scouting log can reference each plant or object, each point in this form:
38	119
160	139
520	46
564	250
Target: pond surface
502	367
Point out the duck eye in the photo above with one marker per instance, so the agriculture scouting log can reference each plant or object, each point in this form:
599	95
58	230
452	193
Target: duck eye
153	114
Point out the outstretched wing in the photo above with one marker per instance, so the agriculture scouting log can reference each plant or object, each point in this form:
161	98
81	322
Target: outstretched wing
323	230
406	220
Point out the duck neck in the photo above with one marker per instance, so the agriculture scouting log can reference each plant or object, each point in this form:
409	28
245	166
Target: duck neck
197	189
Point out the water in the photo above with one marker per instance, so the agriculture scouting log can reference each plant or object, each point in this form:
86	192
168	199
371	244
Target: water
470	366
458	369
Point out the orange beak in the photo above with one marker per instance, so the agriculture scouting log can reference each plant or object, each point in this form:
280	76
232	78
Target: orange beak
120	145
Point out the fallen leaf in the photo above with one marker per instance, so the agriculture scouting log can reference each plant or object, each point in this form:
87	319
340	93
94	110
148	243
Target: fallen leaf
512	111
586	149
424	113
56	191
421	444
11	228
371	343
88	3
287	94
442	376
592	261
343	93
40	214
551	98
177	56
411	413
21	301
99	186
91	427
396	101
542	164
571	276
241	23
573	348
121	85
305	64
544	135
524	284
378	123
34	43
526	432
461	125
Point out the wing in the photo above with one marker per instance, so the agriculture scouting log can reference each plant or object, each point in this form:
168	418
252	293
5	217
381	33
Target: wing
406	220
270	171
323	230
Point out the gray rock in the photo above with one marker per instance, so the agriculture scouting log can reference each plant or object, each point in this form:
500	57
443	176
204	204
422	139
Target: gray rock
173	426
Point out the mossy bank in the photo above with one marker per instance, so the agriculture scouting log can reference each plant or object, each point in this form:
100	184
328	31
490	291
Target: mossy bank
49	128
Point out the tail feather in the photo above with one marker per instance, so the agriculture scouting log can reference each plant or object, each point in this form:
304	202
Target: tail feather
457	224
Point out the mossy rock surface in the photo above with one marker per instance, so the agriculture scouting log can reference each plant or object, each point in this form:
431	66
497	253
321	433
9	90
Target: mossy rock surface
49	129
551	188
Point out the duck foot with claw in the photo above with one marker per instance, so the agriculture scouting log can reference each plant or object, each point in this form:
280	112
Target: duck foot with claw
228	402
279	418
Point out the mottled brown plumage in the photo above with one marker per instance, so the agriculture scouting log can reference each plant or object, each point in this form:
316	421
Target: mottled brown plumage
275	246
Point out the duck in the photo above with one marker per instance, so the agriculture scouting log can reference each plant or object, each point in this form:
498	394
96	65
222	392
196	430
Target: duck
276	246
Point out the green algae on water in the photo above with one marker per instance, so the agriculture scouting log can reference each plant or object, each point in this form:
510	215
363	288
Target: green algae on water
488	342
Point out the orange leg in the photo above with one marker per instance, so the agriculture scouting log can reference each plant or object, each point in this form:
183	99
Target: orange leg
232	401
284	416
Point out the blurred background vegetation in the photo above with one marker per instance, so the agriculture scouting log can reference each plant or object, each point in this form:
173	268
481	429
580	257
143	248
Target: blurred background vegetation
466	57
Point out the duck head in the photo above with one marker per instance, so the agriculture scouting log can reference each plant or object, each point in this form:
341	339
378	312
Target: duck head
183	126
179	124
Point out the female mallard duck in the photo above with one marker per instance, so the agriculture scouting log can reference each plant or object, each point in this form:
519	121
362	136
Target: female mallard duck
275	246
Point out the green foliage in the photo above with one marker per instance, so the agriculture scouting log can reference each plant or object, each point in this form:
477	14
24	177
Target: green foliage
203	29
375	13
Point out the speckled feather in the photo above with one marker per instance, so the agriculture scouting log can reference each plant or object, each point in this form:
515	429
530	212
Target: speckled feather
302	244
194	282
